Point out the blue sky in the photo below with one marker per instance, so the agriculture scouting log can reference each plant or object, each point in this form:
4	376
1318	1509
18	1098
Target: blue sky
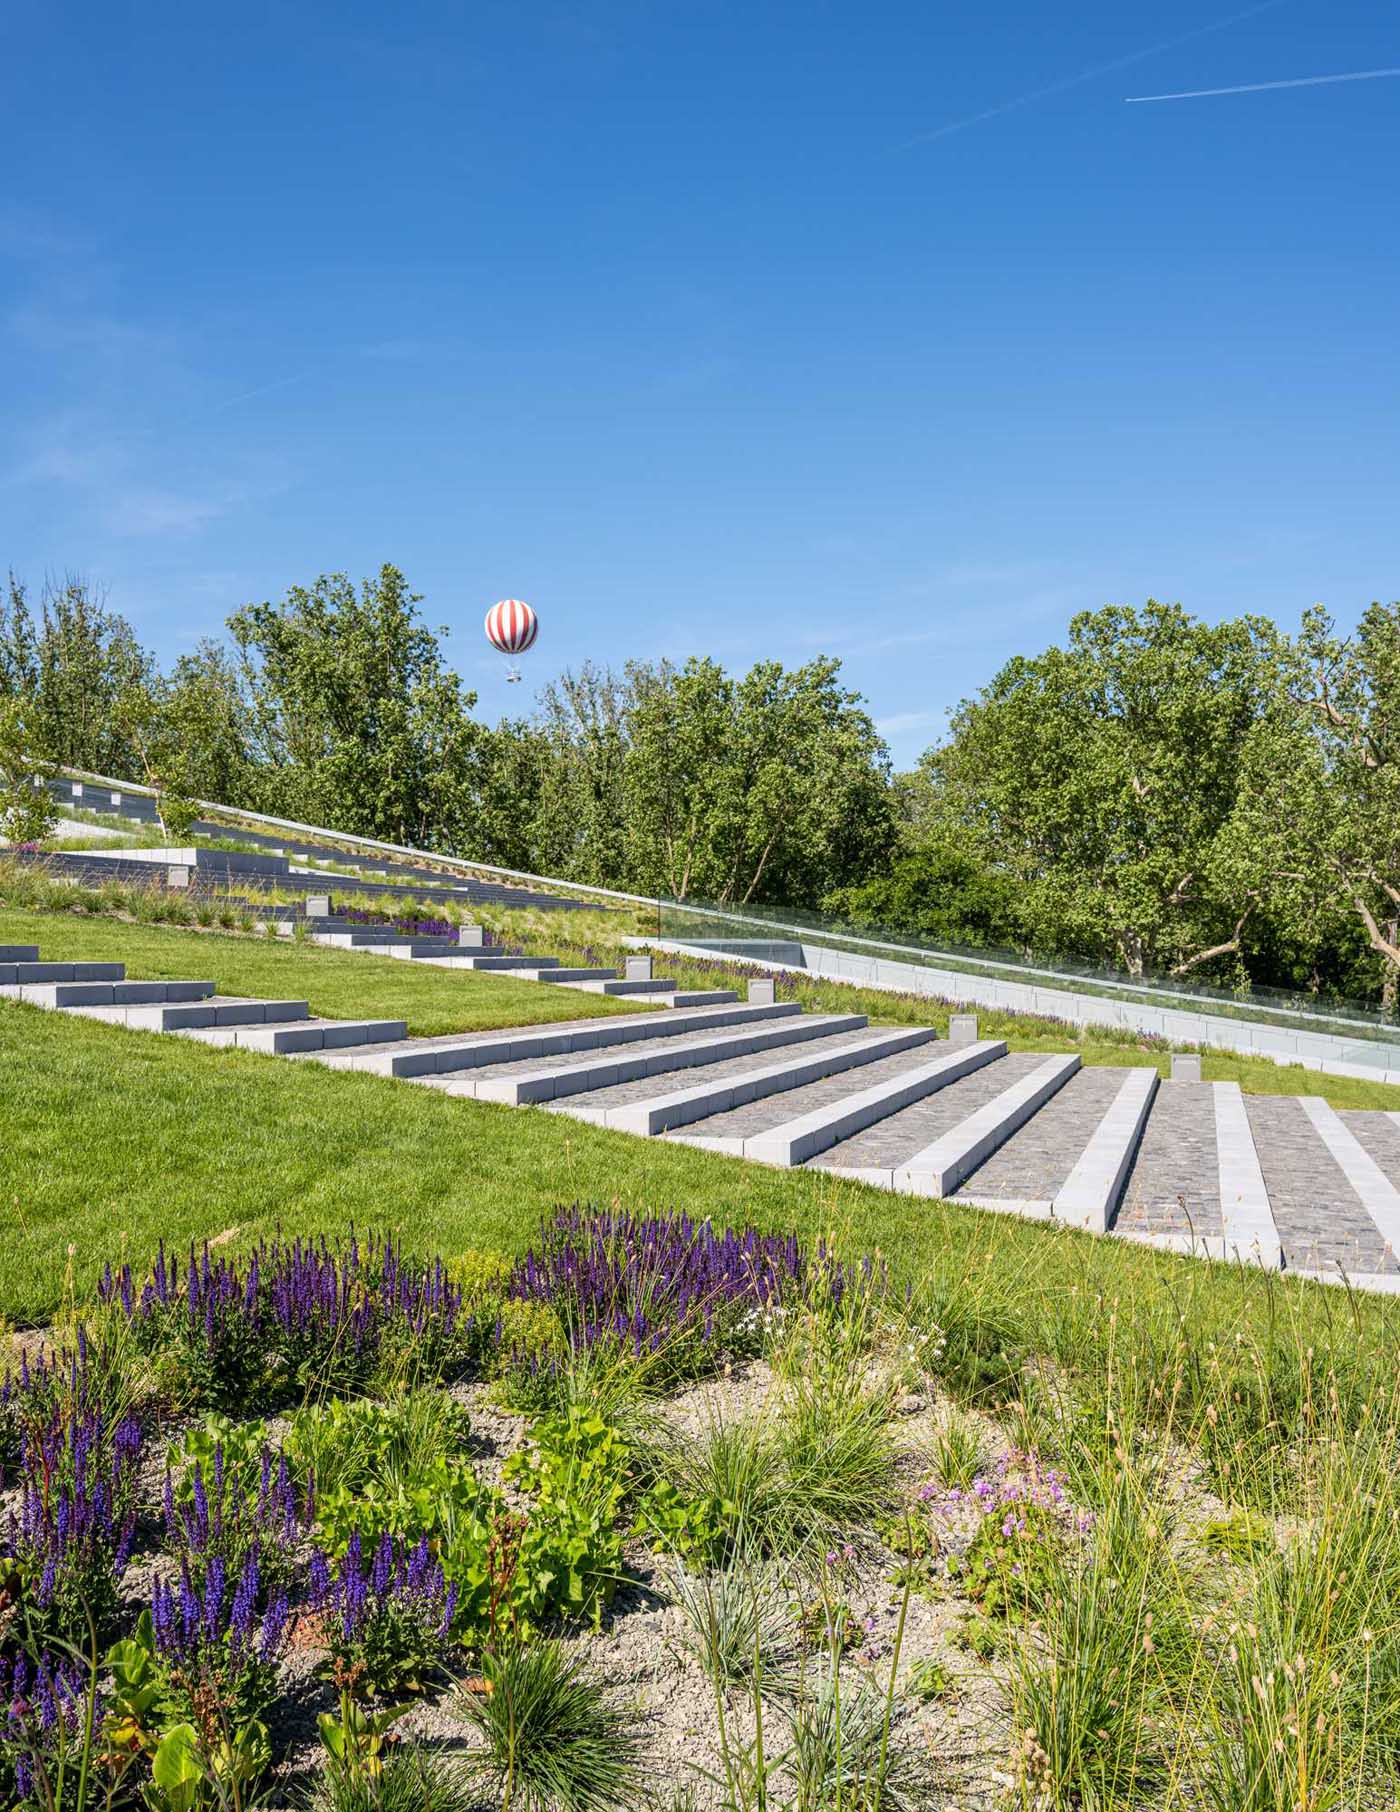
888	331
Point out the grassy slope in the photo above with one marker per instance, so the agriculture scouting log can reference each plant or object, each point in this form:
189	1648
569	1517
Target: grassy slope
116	1139
339	984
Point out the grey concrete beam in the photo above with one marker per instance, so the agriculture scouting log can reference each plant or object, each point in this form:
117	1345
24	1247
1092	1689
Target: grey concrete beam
19	953
940	1167
803	1137
1089	1195
555	1081
1246	1214
427	1057
682	1107
1378	1195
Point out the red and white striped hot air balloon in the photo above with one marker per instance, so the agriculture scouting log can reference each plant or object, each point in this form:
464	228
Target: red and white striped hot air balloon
511	628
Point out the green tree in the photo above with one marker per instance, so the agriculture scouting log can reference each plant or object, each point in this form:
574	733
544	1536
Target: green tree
85	660
1319	809
353	719
27	810
1099	779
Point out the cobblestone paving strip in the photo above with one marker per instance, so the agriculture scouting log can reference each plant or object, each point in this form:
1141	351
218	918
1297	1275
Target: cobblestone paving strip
1174	1184
1380	1134
1034	1162
649	1047
619	1094
890	1142
776	1110
1321	1221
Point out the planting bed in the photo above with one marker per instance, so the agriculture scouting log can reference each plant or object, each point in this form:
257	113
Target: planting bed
663	1514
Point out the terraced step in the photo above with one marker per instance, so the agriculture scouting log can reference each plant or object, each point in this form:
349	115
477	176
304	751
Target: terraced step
609	982
300	1038
19	953
558	974
640	1108
465	959
954	1129
518	1083
463	1051
216	1010
65	996
1172	1190
390	944
1324	1221
822	1123
1071	1157
14	976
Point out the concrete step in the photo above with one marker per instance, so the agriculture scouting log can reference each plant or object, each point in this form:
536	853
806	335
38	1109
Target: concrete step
300	1038
735	1084
803	1136
19	953
1248	1230
612	983
1173	1185
24	975
377	943
518	1083
947	1131
462	1051
1331	1210
1090	1194
940	1167
67	995
560	975
217	1010
466	959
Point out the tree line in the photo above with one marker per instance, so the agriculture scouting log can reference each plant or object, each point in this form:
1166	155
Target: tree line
1159	794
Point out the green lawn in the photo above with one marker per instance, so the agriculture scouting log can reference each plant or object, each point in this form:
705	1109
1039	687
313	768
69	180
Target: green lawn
114	1139
338	984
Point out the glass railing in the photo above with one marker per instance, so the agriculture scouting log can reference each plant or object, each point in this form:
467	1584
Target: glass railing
702	922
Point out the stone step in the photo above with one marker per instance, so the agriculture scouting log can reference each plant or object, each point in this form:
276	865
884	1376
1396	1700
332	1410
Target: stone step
1090	1194
299	1038
1324	1221
1378	1195
940	1167
492	964
217	1010
657	1057
561	975
736	1084
1173	1185
802	1136
634	984
62	996
24	975
377	943
19	953
462	1051
1248	1229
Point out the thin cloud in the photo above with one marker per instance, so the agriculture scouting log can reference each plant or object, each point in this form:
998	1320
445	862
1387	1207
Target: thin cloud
1090	75
1315	81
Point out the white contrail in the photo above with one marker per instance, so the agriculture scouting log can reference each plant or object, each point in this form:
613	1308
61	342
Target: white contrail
1311	81
1089	75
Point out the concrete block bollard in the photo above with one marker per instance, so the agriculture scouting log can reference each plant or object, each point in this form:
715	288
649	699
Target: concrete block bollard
318	905
177	875
1186	1066
470	937
637	968
962	1028
763	993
